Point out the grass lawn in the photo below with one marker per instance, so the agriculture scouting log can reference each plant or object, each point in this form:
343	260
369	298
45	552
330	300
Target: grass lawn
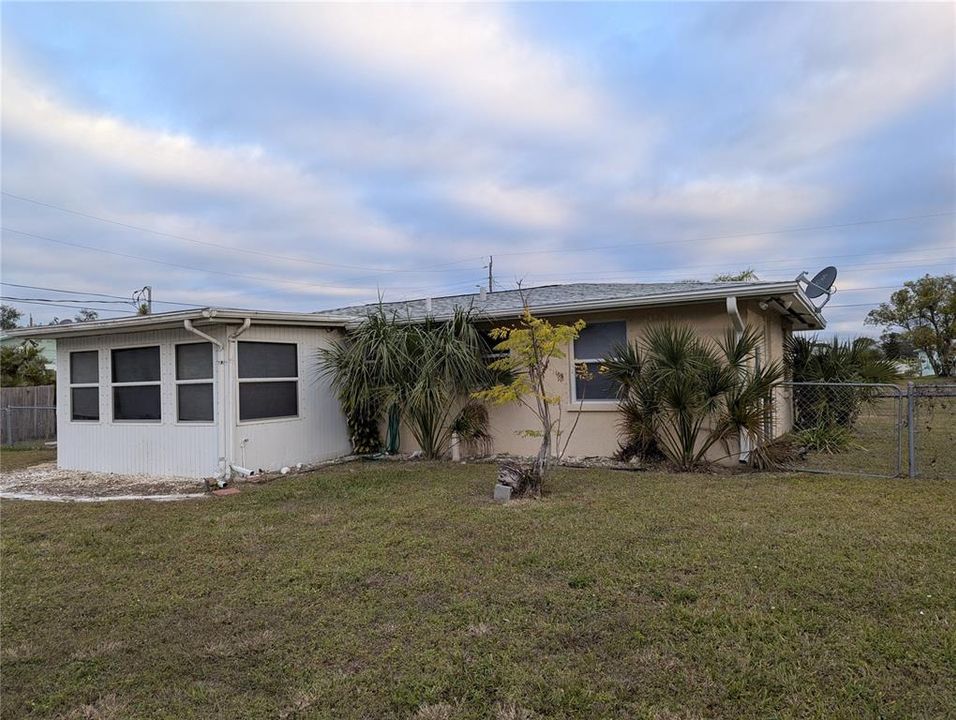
18	457
400	591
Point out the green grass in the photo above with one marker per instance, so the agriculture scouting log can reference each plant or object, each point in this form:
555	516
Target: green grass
400	591
19	457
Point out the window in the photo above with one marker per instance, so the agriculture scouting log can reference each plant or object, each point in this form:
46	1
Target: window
594	344
85	385
268	380
136	394
194	394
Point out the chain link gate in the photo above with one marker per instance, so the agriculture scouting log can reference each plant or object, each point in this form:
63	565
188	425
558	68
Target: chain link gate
848	428
931	443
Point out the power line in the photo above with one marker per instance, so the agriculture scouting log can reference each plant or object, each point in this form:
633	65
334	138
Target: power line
95	294
74	300
736	236
70	307
257	278
290	258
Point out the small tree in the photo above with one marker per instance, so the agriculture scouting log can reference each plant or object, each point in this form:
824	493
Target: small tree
925	311
9	317
24	365
742	276
530	348
86	315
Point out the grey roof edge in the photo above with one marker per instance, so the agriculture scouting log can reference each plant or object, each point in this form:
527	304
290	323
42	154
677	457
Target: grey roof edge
743	290
160	321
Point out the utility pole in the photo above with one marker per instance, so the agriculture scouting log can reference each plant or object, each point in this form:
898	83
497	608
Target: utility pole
144	299
491	277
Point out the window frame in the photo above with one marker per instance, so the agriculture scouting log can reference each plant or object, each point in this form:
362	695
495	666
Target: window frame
240	381
96	385
211	381
137	383
576	361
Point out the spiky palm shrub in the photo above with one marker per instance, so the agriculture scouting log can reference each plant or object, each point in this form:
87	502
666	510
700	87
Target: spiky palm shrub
836	361
418	370
682	393
446	364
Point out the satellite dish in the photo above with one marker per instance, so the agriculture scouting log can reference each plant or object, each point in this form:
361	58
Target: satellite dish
821	284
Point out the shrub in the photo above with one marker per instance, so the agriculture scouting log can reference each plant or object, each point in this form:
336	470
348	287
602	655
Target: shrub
681	393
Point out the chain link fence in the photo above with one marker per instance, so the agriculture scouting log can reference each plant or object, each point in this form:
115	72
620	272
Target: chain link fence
932	438
27	423
853	428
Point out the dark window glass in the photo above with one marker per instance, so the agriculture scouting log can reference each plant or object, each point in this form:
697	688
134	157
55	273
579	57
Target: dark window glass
258	400
85	403
136	402
596	341
267	360
194	402
136	364
194	361
84	367
598	387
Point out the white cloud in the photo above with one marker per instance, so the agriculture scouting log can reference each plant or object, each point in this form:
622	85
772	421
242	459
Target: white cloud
470	56
91	144
871	63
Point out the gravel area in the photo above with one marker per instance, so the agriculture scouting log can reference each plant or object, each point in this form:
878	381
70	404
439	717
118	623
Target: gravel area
47	482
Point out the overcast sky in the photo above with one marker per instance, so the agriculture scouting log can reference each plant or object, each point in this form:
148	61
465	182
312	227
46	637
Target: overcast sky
303	157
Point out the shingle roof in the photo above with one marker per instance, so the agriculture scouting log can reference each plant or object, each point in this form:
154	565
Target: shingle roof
503	302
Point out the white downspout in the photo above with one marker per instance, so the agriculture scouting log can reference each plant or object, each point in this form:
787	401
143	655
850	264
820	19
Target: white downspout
733	311
233	389
220	392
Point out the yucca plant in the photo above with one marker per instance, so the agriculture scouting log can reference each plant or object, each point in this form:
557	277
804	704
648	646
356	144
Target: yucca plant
681	394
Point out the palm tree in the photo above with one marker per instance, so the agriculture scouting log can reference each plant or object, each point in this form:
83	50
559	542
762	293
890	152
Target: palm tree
681	394
390	368
834	365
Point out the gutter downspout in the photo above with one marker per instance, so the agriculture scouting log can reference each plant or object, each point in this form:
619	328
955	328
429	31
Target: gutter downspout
746	444
220	381
233	390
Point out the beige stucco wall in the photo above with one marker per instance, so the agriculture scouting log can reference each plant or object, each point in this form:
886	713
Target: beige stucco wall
595	432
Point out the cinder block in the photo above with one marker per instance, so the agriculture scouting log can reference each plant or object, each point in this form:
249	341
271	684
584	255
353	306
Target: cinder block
502	492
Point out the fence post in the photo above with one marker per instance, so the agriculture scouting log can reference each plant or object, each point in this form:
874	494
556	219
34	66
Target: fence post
910	427
6	416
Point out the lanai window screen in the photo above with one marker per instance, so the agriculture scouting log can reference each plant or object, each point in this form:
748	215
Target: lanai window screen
194	390
136	392
595	343
268	380
84	385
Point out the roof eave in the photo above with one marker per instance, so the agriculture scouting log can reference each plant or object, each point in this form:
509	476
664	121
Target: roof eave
164	321
811	317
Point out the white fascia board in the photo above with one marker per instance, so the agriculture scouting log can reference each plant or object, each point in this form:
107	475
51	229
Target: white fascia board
162	321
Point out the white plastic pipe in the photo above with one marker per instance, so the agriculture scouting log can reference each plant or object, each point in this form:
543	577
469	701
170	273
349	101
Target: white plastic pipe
221	438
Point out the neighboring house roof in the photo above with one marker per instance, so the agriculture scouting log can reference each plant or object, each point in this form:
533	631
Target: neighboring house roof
580	297
164	321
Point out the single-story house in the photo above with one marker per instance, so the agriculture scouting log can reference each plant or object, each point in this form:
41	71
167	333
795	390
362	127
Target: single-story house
616	313
208	392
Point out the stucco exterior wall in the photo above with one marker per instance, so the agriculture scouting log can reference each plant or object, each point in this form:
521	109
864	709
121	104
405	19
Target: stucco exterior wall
596	432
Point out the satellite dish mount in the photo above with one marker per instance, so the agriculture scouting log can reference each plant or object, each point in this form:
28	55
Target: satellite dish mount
821	284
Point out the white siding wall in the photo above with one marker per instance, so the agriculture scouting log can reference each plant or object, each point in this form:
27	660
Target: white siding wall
320	431
192	449
151	448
